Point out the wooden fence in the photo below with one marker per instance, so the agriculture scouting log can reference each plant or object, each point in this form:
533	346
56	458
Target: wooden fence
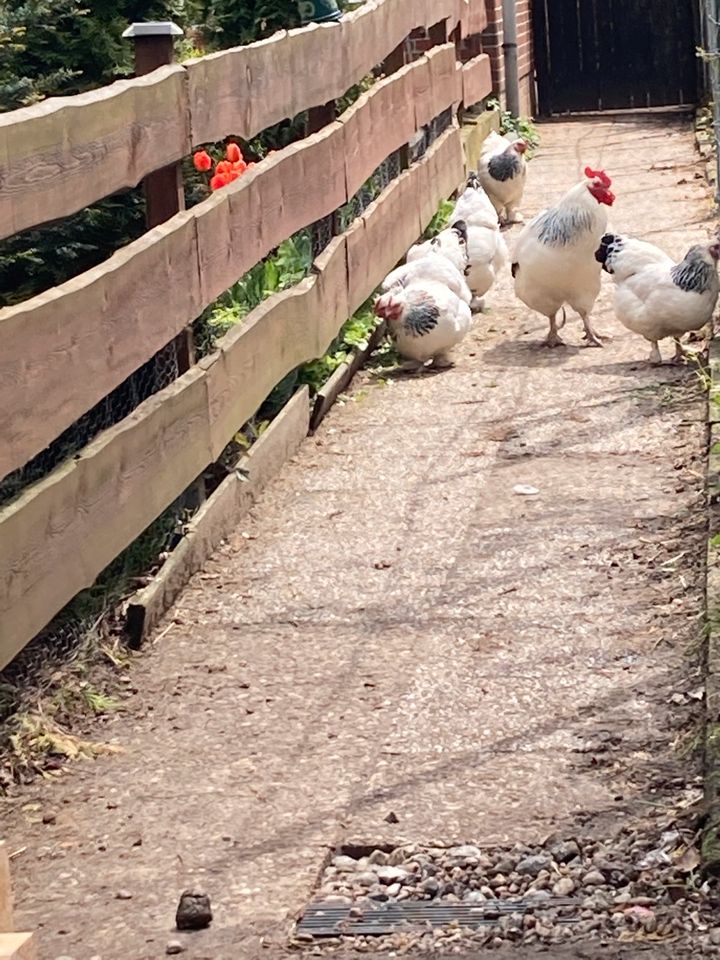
65	350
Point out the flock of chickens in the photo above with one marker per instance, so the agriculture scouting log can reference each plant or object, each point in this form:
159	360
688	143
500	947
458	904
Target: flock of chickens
557	261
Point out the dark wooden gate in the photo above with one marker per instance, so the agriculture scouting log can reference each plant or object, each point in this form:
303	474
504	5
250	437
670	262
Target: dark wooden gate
614	54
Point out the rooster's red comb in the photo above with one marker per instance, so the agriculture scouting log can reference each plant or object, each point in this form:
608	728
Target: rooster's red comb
598	175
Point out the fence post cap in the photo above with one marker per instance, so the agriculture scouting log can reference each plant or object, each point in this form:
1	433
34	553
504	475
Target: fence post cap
153	28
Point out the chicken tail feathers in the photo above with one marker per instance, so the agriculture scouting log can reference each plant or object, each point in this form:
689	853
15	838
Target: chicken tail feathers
564	319
604	253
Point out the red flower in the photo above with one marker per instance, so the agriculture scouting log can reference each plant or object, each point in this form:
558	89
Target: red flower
202	161
224	166
239	167
233	153
220	180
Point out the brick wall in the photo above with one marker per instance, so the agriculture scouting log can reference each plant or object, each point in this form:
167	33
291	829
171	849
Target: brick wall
490	42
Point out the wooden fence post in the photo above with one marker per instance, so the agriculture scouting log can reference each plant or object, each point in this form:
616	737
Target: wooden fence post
164	189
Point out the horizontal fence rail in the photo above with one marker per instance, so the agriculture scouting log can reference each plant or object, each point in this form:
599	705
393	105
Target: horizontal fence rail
63	352
68	152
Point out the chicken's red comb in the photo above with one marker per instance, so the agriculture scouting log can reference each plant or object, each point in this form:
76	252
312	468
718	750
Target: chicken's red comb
598	175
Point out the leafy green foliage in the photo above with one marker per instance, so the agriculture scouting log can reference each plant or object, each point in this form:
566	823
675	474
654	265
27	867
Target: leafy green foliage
41	258
521	126
228	23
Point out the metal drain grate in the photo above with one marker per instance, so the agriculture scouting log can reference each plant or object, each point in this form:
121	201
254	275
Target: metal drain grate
379	919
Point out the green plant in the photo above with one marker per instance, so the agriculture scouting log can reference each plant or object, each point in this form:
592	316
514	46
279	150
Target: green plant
521	126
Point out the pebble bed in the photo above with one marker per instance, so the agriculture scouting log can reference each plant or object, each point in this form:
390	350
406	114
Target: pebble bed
629	889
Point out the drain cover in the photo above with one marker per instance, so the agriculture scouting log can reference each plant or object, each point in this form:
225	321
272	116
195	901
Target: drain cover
330	919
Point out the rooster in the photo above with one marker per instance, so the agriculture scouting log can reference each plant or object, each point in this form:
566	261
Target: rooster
502	172
426	320
444	258
554	258
656	297
486	248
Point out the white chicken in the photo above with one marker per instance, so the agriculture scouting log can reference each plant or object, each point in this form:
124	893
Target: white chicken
444	258
503	171
656	297
426	320
554	258
486	247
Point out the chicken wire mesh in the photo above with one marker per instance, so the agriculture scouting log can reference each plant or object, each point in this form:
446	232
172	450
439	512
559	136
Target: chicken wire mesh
79	627
157	373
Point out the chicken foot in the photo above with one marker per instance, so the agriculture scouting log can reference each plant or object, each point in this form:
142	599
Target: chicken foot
593	339
553	338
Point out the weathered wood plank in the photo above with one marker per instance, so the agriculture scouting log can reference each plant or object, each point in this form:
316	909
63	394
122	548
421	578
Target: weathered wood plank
218	516
246	89
437	86
58	156
63	531
6	891
476	80
18	946
92	332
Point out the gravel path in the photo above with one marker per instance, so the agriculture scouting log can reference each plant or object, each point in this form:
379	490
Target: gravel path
397	648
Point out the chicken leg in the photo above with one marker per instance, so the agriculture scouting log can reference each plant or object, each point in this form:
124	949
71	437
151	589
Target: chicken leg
442	361
593	339
655	355
553	338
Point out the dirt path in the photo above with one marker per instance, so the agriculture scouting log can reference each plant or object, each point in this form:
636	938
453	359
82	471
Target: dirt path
396	631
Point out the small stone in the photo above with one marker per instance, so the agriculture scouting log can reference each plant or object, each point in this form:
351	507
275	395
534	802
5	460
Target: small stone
378	858
394	889
174	947
345	864
366	879
49	817
593	878
715	936
390	874
391	818
565	851
194	911
475	896
465	851
564	887
123	895
539	895
378	894
430	886
531	866
505	866
498	881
